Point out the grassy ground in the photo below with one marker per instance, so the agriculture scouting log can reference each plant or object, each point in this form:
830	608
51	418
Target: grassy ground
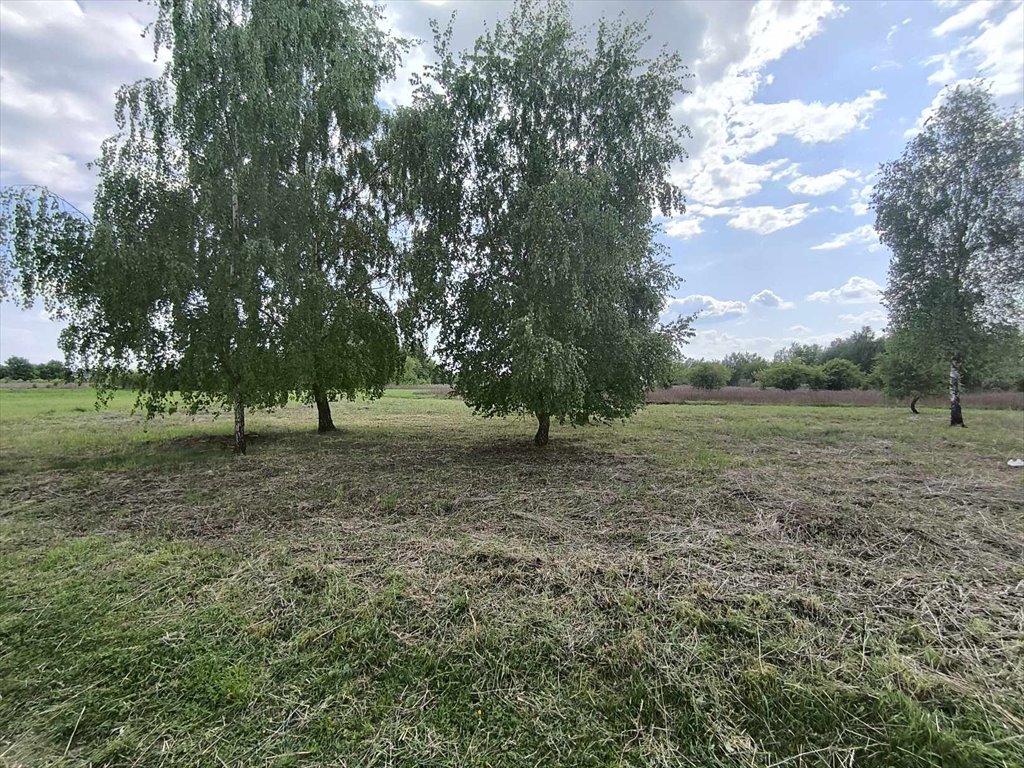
706	585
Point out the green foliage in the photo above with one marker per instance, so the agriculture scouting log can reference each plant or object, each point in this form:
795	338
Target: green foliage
420	368
1002	366
709	376
52	370
950	208
532	244
840	373
814	377
785	375
905	372
860	347
19	369
239	236
679	372
808	354
743	367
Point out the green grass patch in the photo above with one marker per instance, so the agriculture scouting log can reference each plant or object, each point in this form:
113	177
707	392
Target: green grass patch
716	585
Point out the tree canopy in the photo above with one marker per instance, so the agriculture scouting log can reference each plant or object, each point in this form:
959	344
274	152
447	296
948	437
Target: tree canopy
951	208
532	166
239	236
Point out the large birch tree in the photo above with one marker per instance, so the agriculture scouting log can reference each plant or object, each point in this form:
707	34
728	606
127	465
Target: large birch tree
239	241
951	208
530	168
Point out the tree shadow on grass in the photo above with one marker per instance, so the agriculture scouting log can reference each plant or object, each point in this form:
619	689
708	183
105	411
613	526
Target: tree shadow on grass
358	483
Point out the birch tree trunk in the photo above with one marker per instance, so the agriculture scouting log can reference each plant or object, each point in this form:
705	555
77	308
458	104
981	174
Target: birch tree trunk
543	427
324	420
956	417
239	422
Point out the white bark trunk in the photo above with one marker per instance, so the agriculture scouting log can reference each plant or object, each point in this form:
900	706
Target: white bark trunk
955	414
239	423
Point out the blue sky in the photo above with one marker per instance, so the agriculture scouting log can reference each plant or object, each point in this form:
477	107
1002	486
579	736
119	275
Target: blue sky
793	107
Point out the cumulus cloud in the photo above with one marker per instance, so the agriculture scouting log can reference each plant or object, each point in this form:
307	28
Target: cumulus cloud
968	16
875	317
683	229
860	199
60	65
864	235
822	185
708	306
856	290
722	181
768	298
727	124
765	219
758	126
991	48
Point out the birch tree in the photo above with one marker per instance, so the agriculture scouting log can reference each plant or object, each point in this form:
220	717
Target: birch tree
951	208
529	170
239	242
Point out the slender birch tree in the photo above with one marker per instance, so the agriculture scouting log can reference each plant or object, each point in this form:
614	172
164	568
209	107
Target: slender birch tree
951	208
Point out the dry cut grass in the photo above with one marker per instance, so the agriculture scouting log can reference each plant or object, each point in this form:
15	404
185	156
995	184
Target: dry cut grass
704	586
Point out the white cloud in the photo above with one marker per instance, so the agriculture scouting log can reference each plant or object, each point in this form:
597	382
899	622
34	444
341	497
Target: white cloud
721	181
759	126
886	64
708	306
739	42
765	219
683	229
822	185
713	343
768	298
60	65
856	290
860	203
968	16
874	317
864	235
801	329
993	50
998	52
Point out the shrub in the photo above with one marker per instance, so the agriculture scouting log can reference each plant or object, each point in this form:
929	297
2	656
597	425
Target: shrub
786	376
744	367
815	377
840	373
679	373
709	376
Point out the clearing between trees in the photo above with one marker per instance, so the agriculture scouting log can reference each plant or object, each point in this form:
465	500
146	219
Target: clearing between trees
705	585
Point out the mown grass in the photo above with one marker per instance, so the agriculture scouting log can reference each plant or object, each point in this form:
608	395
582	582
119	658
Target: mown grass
705	585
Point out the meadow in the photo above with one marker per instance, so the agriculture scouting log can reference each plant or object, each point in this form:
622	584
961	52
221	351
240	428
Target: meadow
708	584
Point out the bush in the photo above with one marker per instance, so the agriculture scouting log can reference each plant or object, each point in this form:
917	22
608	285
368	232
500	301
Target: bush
744	367
840	373
787	376
679	373
815	377
709	376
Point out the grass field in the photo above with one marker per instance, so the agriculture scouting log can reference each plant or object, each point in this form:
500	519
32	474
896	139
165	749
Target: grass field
705	585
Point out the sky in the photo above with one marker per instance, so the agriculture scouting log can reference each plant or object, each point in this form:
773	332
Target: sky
792	107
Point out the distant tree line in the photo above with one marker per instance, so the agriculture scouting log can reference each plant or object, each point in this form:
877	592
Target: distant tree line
16	368
862	360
